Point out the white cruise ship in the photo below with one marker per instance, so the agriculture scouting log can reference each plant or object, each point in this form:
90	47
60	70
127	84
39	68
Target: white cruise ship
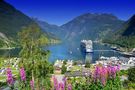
87	46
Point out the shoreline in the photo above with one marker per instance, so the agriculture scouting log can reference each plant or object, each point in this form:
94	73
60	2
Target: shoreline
7	48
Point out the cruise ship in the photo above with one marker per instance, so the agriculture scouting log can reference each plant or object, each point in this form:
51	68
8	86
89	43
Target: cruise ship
87	46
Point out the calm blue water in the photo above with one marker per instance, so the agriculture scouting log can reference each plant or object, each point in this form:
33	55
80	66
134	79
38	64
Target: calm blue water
65	51
68	51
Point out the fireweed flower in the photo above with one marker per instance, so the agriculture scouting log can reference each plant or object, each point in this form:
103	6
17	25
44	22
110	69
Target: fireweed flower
109	70
55	81
69	87
9	76
64	80
61	86
22	74
97	73
32	84
112	71
103	74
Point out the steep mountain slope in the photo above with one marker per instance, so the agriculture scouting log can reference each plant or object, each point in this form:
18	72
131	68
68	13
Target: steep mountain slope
11	21
129	27
90	26
125	35
52	30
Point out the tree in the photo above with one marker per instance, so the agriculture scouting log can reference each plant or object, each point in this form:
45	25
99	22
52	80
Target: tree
87	64
63	69
34	59
31	40
131	74
65	62
75	63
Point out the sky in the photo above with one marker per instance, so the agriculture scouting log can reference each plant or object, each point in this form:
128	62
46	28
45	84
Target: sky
61	11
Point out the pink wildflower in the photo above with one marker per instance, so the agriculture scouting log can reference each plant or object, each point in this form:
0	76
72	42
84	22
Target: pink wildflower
97	73
64	80
103	75
9	76
61	86
22	74
55	81
32	84
69	87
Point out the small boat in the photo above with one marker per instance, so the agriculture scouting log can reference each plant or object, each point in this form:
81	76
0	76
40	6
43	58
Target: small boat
118	49
70	52
114	48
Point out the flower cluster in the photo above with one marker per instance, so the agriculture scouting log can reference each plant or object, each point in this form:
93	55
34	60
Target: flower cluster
61	85
32	84
22	74
112	70
55	82
102	73
10	80
69	87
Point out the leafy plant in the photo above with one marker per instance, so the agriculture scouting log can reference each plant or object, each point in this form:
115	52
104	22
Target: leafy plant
131	74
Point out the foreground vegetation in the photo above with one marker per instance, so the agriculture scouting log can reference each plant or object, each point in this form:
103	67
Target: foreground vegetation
34	72
101	78
127	43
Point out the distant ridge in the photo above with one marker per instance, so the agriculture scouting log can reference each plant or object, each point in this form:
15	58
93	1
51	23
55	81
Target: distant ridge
86	26
125	35
91	26
11	22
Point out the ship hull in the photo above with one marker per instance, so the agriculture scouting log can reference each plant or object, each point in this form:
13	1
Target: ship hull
87	46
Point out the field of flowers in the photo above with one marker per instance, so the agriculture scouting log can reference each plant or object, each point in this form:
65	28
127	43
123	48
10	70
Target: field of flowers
102	78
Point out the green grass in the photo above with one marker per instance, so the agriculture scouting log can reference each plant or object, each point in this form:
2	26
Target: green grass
75	68
3	78
14	71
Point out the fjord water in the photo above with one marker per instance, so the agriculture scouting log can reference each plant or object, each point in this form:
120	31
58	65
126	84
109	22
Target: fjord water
9	52
72	52
68	51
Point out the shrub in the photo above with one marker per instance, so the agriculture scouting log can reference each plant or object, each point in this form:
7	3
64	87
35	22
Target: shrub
63	69
131	74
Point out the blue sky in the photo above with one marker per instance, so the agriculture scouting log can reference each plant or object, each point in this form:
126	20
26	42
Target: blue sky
61	11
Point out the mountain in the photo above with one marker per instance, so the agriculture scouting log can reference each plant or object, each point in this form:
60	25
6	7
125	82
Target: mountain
90	26
11	22
125	35
52	30
129	27
86	26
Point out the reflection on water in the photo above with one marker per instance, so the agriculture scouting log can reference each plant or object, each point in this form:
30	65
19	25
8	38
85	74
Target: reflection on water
63	51
88	58
72	52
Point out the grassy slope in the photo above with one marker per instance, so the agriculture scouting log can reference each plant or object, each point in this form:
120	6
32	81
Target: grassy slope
125	36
